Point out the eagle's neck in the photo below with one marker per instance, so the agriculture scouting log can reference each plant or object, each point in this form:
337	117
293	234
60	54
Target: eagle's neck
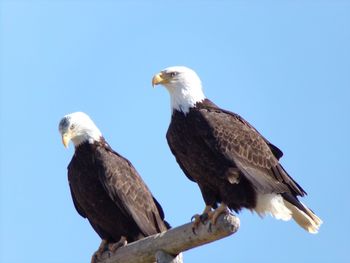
87	136
186	97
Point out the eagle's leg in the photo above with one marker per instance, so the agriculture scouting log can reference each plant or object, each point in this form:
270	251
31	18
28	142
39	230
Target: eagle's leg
101	249
114	246
201	218
213	215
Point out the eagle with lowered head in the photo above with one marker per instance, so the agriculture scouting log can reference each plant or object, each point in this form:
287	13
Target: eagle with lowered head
234	166
106	188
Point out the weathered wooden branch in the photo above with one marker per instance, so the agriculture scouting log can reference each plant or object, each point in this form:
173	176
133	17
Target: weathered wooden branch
163	257
174	241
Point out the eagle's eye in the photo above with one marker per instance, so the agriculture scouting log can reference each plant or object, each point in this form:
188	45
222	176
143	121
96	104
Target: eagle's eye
173	74
72	127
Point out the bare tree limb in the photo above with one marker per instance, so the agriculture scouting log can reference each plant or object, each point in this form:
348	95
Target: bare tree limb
174	241
163	257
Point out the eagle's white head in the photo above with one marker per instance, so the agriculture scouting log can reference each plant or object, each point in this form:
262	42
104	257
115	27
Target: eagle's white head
79	128
184	86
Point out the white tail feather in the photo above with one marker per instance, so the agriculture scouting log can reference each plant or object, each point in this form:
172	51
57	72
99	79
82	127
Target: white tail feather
279	208
310	222
274	205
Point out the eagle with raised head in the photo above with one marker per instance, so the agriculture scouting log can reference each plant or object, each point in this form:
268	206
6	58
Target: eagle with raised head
234	166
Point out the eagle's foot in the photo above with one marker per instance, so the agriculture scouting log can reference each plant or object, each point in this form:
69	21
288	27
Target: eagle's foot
105	249
97	256
214	215
197	220
121	243
203	218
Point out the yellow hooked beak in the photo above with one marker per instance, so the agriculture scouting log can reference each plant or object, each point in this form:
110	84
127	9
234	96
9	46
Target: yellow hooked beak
159	79
66	137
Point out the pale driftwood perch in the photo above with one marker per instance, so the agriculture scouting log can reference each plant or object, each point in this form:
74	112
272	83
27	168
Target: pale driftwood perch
174	241
163	257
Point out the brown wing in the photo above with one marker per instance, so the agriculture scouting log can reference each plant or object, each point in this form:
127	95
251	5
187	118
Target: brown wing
126	188
240	144
79	209
72	174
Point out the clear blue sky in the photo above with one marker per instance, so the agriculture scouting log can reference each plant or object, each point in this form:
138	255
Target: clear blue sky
282	65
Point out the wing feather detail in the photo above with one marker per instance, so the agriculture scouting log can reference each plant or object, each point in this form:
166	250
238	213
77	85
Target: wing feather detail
233	138
126	188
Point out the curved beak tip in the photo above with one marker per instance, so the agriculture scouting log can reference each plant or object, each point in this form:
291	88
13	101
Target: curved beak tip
65	140
157	79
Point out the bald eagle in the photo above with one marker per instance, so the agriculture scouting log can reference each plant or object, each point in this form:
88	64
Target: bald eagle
234	166
106	189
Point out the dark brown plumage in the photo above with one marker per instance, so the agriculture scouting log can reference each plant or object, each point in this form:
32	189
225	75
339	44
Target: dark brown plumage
227	157
107	190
